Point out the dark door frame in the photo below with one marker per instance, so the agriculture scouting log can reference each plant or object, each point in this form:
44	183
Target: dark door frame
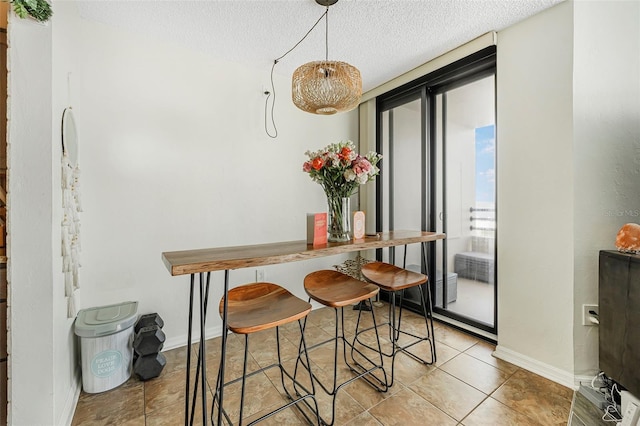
426	88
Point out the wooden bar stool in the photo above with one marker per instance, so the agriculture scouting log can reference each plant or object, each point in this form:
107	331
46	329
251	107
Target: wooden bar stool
396	280
261	306
337	290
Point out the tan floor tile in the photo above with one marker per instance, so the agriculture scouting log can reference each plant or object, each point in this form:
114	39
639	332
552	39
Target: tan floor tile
235	342
173	414
364	419
493	413
367	396
368	337
484	352
413	324
114	420
301	375
323	318
324	355
454	397
407	408
346	409
167	390
421	349
234	364
289	417
116	406
326	375
476	373
260	395
265	352
103	419
312	335
539	398
444	353
407	370
176	360
454	338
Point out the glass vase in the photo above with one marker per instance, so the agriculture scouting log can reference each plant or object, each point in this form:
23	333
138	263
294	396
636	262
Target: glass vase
339	219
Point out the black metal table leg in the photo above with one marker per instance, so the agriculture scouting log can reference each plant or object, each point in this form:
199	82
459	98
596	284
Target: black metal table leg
428	303
203	350
201	366
220	384
188	387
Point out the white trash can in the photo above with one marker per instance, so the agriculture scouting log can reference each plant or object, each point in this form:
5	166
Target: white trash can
106	345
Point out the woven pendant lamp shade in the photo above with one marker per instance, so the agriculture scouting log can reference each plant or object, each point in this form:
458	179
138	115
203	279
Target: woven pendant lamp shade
326	87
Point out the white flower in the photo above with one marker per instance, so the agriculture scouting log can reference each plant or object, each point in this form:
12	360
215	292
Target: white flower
349	175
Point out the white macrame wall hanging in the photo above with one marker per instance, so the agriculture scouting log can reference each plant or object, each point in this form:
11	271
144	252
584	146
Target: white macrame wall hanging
71	207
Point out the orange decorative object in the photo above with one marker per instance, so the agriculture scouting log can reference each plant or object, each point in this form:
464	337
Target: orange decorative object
628	239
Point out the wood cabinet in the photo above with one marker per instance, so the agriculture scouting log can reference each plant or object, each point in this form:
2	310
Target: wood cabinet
619	315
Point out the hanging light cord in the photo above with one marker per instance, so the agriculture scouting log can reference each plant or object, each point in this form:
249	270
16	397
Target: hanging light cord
326	35
273	88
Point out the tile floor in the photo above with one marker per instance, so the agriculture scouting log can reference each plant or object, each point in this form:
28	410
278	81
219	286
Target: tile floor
466	386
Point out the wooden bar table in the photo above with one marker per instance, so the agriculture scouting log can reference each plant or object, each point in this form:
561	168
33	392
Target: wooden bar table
205	261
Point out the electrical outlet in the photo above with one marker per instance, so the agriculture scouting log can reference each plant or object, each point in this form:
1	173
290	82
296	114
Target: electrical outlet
588	318
260	275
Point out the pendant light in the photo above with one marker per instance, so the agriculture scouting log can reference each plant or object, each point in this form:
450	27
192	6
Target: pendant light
326	87
319	87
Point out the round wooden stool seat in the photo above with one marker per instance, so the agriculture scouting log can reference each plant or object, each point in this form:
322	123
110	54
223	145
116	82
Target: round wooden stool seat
390	277
335	289
259	306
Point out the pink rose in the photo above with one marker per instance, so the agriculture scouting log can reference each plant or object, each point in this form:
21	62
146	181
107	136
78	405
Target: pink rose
361	166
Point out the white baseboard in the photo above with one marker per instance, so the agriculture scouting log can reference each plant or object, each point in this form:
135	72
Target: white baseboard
181	340
66	417
550	372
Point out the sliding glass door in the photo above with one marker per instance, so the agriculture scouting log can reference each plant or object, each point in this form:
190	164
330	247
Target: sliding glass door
402	141
466	202
437	137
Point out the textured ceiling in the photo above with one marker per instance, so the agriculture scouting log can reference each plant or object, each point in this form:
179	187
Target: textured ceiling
382	38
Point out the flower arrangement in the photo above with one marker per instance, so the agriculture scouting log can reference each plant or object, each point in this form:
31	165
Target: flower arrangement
340	170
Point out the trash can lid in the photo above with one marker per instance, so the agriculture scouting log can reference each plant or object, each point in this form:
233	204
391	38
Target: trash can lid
105	320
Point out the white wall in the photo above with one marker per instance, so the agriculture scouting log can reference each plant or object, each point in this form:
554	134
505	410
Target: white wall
30	268
568	152
174	156
535	190
64	88
606	147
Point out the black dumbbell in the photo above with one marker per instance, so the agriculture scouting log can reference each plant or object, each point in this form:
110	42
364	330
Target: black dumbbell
149	340
149	366
148	319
